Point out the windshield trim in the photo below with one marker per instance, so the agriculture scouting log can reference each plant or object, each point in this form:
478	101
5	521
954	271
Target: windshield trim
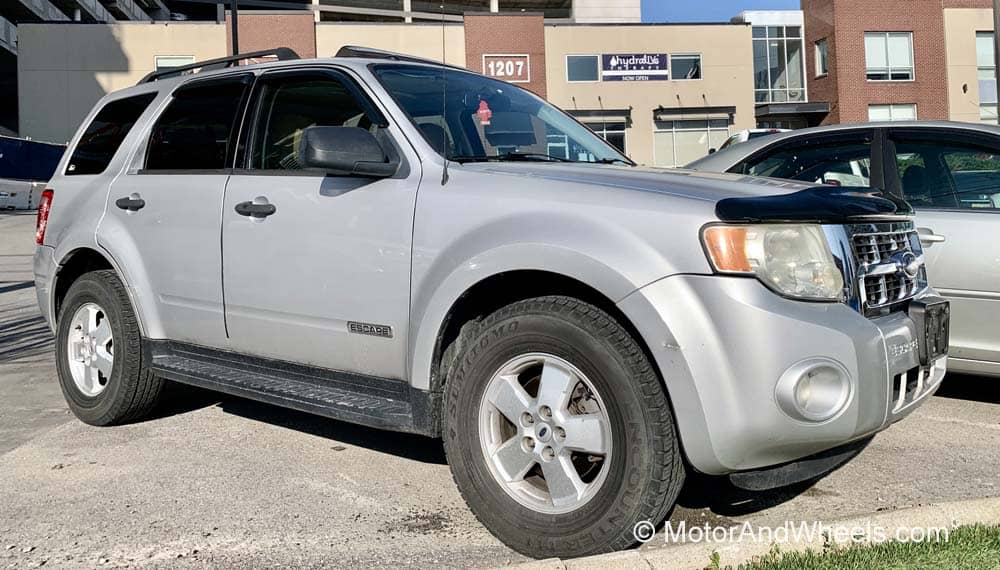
373	67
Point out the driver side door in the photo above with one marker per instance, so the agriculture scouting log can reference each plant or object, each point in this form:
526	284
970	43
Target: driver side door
324	279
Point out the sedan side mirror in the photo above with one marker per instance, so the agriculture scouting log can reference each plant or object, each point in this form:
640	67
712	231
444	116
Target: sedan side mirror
345	150
711	151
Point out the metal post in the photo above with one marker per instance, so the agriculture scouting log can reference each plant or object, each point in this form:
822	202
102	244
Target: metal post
235	15
996	50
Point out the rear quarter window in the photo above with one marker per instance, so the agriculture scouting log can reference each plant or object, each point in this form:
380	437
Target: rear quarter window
105	134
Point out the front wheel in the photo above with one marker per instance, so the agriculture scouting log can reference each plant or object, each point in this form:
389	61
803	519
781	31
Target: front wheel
558	431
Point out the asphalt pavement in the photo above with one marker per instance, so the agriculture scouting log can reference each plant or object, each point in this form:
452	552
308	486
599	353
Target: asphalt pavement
218	481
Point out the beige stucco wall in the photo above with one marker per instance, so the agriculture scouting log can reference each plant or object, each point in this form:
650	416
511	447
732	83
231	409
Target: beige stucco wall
727	74
421	40
605	11
960	27
64	69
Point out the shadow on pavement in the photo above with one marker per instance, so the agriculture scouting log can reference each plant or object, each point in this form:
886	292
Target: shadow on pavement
182	399
966	387
409	446
23	335
721	497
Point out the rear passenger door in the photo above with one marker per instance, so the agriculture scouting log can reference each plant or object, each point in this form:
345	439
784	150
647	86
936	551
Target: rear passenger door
953	183
325	279
166	209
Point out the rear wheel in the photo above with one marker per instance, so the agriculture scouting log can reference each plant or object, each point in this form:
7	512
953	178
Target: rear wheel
558	432
99	353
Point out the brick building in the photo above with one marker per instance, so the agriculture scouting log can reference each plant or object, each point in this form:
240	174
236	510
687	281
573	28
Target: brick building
901	59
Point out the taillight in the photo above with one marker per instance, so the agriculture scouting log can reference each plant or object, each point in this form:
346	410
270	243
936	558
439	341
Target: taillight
43	216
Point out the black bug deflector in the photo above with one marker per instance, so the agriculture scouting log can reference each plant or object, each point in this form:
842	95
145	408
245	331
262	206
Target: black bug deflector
823	204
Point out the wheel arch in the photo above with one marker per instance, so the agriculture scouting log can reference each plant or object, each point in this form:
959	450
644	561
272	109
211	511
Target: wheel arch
500	289
78	262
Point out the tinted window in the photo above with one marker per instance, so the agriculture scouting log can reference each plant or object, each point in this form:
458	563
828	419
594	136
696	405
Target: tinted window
949	175
838	164
581	68
195	130
105	134
291	106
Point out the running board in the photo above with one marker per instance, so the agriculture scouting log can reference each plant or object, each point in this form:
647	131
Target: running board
368	400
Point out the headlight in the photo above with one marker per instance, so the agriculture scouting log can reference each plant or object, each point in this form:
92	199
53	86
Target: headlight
792	259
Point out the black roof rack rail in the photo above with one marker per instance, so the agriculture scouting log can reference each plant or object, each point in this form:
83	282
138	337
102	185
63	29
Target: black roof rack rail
281	53
372	53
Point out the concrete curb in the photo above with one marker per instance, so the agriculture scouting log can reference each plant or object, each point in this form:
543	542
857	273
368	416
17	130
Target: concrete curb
696	556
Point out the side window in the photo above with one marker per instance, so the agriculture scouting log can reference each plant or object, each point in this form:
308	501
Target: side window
195	130
844	163
949	175
105	134
290	106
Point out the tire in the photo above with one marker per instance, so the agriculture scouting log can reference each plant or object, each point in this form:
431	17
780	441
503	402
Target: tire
641	470
97	397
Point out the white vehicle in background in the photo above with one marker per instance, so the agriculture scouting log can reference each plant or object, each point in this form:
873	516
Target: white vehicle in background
746	135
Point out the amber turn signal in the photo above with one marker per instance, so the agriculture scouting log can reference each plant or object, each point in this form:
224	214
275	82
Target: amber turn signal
727	248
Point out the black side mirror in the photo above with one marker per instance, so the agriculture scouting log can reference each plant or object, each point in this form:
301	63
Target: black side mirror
711	151
345	150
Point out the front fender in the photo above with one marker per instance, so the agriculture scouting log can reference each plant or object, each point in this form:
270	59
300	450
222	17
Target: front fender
430	313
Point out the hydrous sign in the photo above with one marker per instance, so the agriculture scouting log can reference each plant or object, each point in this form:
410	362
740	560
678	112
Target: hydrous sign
515	68
634	67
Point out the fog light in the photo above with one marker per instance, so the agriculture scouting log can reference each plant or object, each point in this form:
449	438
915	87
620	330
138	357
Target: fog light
814	390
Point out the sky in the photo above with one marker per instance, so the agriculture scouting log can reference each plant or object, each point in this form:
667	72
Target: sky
707	10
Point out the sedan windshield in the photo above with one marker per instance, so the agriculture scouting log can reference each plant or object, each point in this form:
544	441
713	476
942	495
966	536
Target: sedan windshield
467	117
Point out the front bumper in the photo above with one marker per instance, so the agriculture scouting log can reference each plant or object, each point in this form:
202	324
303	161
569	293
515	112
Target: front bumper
722	343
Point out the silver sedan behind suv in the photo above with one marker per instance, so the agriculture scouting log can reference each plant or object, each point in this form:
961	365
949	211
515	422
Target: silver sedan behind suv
414	247
950	174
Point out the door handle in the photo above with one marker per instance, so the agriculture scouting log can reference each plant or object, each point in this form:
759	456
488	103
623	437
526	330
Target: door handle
928	237
258	208
132	203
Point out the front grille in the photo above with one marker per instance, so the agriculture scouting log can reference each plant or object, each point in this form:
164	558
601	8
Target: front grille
881	258
874	248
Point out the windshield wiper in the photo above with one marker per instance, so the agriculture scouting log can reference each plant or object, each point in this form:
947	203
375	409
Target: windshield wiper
534	156
539	156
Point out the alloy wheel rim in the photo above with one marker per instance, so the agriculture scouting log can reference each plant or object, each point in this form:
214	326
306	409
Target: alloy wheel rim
545	433
90	348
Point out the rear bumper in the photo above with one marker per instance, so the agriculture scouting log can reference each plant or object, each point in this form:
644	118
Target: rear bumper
44	267
723	343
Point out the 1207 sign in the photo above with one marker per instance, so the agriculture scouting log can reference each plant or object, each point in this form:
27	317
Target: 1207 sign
514	68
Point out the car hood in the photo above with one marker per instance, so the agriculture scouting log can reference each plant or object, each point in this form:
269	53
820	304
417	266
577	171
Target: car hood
707	186
737	197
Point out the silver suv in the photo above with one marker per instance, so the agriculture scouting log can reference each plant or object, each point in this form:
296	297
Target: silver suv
415	247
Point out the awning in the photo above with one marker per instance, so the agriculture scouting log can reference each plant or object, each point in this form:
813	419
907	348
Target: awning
785	109
679	113
608	115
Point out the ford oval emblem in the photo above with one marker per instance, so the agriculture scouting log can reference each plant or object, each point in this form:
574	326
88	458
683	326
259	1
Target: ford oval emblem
908	263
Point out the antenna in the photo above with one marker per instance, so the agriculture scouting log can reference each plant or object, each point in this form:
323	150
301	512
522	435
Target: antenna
444	103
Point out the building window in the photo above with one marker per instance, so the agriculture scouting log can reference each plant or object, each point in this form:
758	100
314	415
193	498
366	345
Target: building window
676	143
582	68
987	77
895	112
168	61
778	64
821	58
889	56
685	66
613	132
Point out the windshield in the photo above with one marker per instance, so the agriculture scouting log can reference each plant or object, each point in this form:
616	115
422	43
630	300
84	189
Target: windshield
483	119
